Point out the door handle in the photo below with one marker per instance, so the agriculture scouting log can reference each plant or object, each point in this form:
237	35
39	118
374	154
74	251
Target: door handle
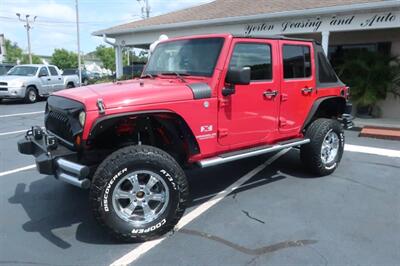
269	94
48	79
59	78
307	90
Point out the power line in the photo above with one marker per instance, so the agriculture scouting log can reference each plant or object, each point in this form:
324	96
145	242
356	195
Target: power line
66	22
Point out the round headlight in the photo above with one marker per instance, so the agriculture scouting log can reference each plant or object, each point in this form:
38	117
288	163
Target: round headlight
82	118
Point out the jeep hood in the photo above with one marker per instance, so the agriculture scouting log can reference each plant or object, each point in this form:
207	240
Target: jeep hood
129	93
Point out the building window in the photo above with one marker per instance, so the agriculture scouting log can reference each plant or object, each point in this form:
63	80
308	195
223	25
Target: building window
296	61
257	56
337	54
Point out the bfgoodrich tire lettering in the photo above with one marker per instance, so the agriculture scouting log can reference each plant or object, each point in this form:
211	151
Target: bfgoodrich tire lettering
118	166
311	154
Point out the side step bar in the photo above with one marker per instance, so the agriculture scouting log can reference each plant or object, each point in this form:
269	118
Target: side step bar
250	153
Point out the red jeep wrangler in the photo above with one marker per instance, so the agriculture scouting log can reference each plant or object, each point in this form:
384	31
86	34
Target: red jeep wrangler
201	100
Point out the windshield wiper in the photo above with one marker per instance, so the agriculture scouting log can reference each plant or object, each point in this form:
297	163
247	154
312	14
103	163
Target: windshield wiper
179	75
148	75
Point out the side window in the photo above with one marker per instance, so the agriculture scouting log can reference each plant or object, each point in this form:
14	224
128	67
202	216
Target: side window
43	72
257	56
53	71
296	61
325	71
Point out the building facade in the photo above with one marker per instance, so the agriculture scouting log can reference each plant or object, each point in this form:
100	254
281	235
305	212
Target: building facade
338	24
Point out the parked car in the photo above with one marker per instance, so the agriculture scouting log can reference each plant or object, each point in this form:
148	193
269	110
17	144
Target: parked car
29	82
202	101
4	68
86	76
134	70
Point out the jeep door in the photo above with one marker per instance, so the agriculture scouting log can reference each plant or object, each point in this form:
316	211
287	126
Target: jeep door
249	115
298	85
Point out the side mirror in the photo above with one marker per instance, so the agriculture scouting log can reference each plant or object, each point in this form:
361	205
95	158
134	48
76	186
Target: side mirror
236	76
42	75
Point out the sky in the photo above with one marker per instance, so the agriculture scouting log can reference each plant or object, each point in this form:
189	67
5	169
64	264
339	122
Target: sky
55	25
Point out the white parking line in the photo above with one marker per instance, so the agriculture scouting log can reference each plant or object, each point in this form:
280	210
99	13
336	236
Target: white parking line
19	114
18	170
12	132
372	150
145	247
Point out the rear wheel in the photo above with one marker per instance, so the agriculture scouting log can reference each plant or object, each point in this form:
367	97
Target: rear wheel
70	85
139	193
31	95
322	155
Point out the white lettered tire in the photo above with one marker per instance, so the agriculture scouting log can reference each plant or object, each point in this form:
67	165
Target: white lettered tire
323	154
139	193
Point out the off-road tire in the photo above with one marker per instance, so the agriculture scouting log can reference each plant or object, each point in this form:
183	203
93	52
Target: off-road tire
310	153
125	161
29	91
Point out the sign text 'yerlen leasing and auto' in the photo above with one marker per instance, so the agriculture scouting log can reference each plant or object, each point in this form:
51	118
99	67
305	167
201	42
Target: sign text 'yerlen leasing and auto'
326	23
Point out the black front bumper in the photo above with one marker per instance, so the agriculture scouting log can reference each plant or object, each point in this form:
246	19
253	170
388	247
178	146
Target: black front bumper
53	158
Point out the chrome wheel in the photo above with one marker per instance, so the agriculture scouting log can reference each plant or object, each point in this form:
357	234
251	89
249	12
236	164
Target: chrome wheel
140	197
32	95
330	147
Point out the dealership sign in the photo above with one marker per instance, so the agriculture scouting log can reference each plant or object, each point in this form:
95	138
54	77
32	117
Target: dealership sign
326	23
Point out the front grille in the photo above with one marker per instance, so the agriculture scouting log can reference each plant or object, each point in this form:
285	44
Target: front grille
3	84
61	118
3	89
59	124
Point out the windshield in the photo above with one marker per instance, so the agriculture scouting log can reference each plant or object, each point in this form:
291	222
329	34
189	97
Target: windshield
23	71
196	57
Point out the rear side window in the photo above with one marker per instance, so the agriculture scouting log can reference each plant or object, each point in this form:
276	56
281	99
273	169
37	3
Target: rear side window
53	71
326	74
296	61
257	56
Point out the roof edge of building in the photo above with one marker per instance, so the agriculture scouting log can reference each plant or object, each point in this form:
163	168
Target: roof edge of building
292	13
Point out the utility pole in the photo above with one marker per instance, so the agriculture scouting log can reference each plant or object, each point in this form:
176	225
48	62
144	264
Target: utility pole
78	43
145	8
28	27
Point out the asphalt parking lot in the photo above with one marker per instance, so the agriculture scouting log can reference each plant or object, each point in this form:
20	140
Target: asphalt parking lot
279	215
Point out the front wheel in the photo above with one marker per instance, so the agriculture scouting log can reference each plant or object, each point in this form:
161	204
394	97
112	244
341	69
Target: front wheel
31	95
322	155
139	193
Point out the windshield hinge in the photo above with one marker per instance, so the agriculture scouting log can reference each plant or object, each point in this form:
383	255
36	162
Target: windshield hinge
100	106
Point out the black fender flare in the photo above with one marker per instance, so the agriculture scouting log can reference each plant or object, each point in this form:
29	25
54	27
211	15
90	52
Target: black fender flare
105	122
316	106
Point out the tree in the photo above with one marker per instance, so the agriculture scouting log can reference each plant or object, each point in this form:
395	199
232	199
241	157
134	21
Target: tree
13	51
14	54
107	56
64	59
371	76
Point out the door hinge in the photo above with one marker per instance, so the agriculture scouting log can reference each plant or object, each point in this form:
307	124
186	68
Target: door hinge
282	122
222	132
223	103
284	97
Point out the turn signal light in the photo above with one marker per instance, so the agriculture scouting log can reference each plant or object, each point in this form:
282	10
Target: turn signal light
78	140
